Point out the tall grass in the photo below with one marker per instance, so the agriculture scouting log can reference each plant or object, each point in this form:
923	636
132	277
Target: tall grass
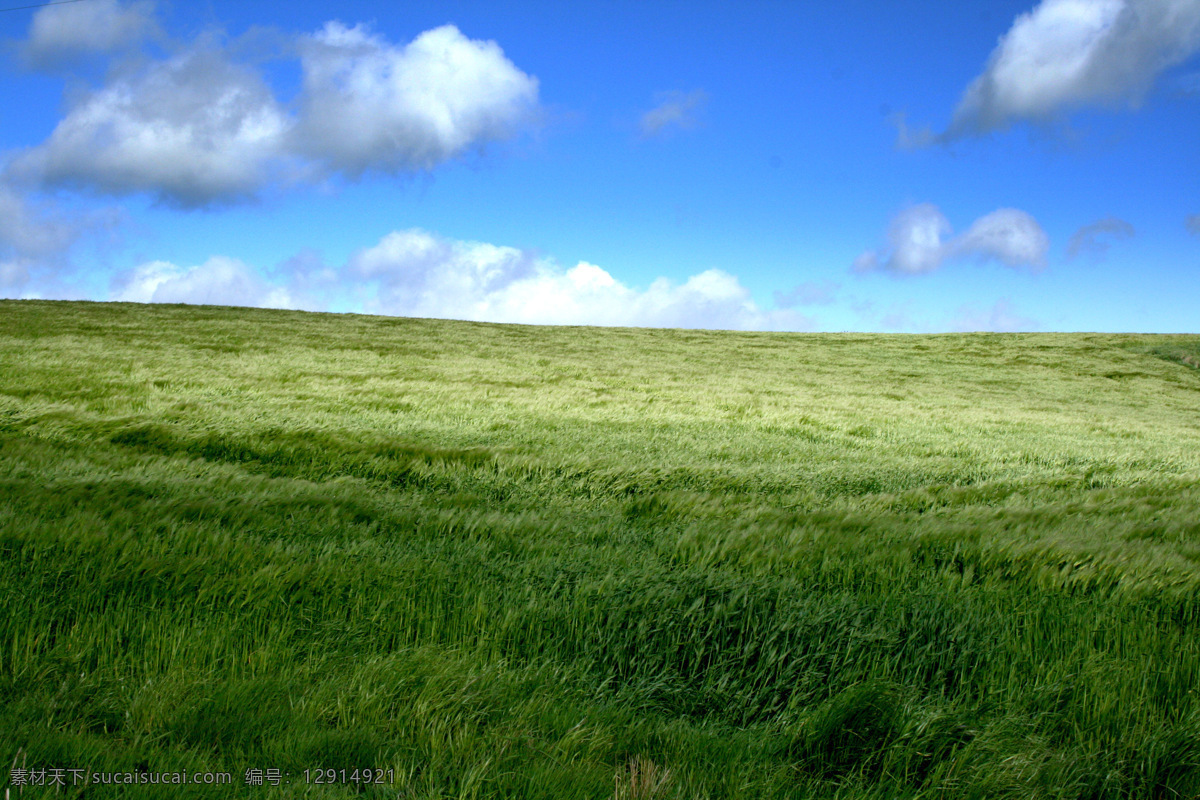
505	561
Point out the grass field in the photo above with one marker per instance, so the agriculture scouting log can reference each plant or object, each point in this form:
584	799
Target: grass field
526	562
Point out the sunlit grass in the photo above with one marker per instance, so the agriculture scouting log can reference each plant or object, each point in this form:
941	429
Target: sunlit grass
505	561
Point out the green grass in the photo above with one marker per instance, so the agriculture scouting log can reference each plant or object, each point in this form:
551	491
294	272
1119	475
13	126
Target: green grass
522	562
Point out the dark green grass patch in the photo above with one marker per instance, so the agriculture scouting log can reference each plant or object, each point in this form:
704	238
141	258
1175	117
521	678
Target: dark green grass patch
1183	350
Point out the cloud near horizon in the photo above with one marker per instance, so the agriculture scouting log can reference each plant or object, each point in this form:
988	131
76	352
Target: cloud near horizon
415	273
919	241
198	128
1002	317
1067	54
36	237
220	281
1192	223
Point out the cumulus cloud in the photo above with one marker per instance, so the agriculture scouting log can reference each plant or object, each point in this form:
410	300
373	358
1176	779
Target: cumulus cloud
1088	239
915	243
218	281
199	129
1001	317
1193	223
1070	53
192	130
809	293
674	109
919	241
415	273
370	105
61	33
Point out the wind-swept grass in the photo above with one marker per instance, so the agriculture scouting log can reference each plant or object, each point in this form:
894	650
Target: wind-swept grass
505	561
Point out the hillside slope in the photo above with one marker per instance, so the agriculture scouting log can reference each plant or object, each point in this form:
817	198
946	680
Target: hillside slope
508	561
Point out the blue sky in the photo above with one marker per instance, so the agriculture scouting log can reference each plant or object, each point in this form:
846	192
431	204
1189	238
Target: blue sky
923	166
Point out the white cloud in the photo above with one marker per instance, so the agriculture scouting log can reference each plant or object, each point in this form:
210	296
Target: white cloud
369	105
918	243
915	238
1087	238
1192	223
198	129
425	275
218	281
193	130
1001	317
674	109
415	273
1069	53
59	33
1007	235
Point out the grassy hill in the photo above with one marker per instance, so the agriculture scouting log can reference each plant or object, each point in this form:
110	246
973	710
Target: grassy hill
536	562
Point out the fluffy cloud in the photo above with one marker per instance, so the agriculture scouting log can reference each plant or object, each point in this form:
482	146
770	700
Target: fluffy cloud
1001	317
198	129
218	281
915	243
1193	223
1070	53
415	273
674	109
192	130
1087	238
369	105
918	243
59	33
1007	235
419	274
